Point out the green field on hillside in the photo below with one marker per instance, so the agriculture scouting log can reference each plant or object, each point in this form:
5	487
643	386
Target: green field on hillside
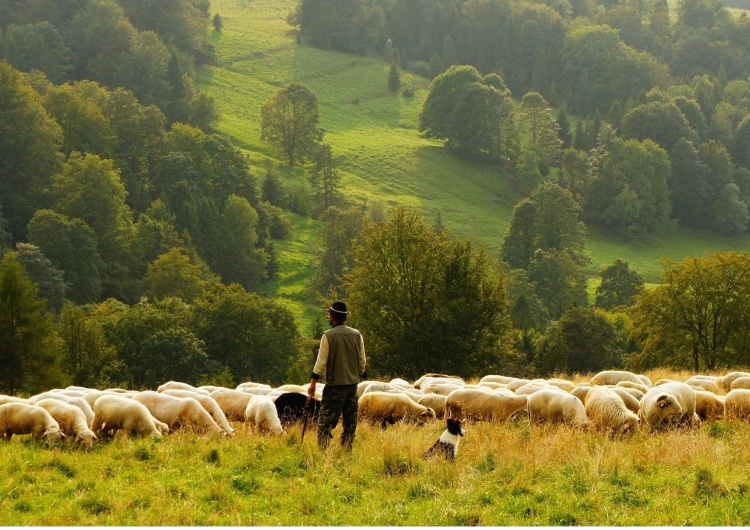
379	152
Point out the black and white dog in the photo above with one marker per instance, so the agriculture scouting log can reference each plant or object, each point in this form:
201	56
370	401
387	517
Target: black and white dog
447	445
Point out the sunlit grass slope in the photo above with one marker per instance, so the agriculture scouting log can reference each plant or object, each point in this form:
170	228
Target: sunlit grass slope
379	152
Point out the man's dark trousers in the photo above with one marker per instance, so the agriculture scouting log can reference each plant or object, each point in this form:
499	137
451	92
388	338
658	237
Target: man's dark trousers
338	400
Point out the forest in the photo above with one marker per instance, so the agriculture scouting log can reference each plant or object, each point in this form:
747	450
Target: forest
136	239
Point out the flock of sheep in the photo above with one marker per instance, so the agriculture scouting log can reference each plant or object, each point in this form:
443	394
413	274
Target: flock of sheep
614	402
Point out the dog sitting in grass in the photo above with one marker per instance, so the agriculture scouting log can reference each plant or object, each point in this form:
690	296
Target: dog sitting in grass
447	445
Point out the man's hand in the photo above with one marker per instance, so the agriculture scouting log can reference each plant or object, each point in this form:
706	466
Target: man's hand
311	389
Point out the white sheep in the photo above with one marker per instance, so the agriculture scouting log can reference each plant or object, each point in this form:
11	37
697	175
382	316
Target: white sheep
71	420
556	405
736	404
580	391
637	386
709	406
740	382
443	388
492	378
626	394
386	407
12	399
532	387
668	404
79	402
113	412
705	384
233	403
22	418
480	404
177	385
725	382
402	383
518	383
208	403
431	377
612	377
562	384
251	384
185	413
608	412
492	384
434	401
261	412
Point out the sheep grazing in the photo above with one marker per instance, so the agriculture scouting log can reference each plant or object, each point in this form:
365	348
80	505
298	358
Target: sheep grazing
709	406
436	402
389	408
533	387
736	404
233	403
261	412
12	399
291	407
79	402
562	384
740	382
633	404
608	412
177	385
612	377
71	420
22	418
555	405
113	412
580	391
483	405
637	386
401	383
517	383
185	413
725	382
503	379
668	404
208	403
439	387
431	378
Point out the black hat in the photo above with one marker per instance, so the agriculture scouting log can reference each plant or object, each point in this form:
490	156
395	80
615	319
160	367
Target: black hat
339	308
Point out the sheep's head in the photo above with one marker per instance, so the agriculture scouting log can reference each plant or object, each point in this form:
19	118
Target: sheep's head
52	435
86	439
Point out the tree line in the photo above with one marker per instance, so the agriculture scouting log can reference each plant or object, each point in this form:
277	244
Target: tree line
149	47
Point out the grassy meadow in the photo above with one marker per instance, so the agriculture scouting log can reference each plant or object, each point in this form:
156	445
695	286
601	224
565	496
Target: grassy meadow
380	155
509	474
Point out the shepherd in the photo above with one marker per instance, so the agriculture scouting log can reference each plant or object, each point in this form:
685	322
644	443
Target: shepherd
341	358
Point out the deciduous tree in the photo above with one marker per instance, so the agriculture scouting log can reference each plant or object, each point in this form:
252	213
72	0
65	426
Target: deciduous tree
425	302
697	318
289	121
620	285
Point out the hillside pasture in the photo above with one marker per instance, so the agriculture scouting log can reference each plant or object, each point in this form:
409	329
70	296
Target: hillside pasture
379	153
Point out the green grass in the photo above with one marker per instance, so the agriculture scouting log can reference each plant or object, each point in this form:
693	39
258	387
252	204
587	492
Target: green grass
506	475
379	152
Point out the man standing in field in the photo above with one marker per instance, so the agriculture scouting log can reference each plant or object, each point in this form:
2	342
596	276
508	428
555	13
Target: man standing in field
341	358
